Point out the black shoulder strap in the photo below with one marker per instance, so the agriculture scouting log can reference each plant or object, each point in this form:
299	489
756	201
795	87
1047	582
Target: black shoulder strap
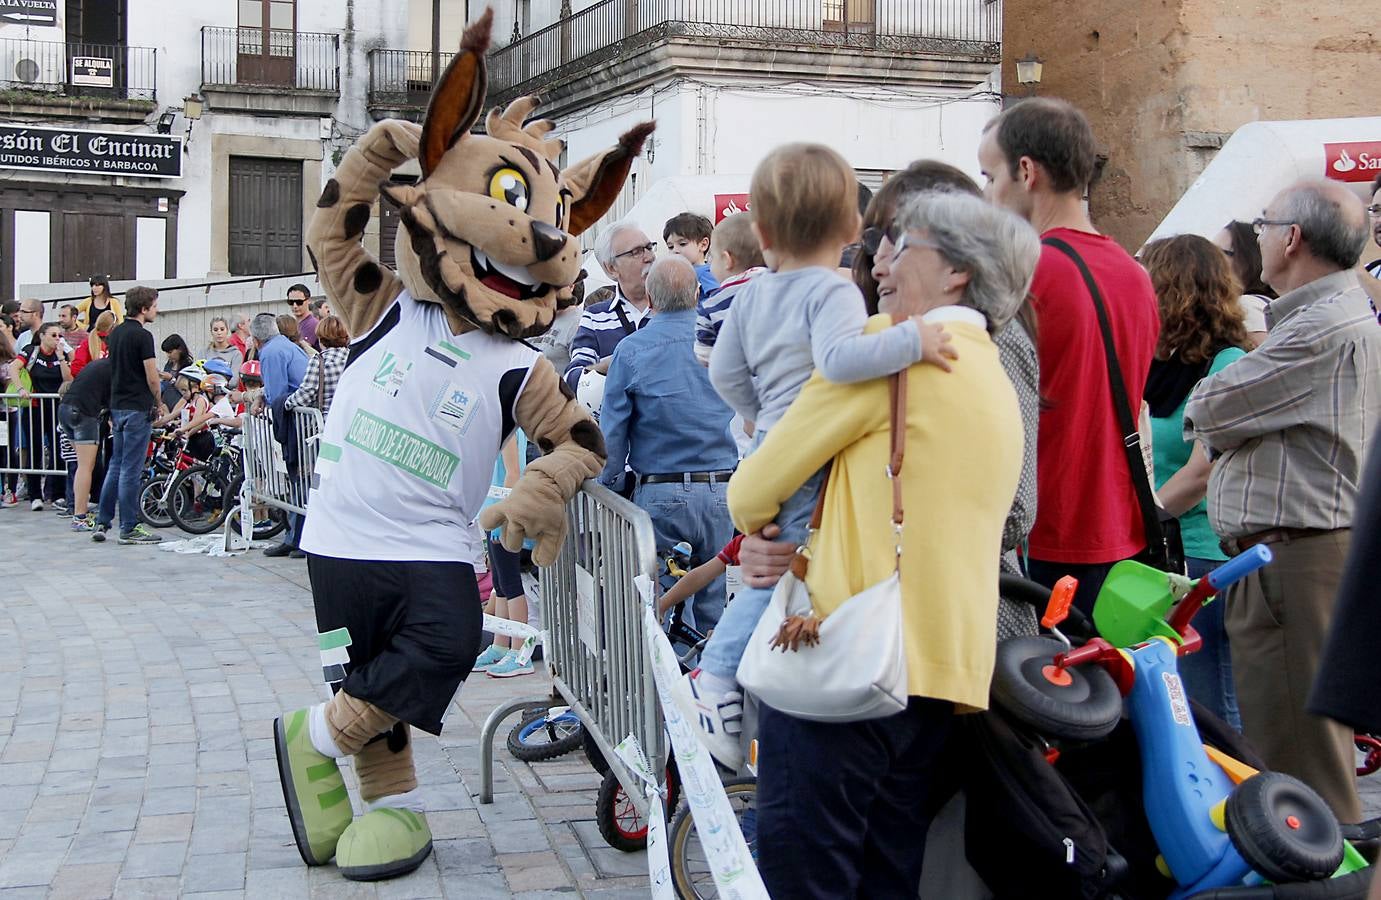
628	327
1131	435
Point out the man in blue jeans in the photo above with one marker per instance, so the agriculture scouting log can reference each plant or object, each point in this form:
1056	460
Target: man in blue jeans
134	402
662	418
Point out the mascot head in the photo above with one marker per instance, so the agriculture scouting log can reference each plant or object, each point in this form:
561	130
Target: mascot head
490	229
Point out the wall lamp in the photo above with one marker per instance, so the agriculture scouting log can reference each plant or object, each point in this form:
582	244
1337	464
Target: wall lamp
1029	69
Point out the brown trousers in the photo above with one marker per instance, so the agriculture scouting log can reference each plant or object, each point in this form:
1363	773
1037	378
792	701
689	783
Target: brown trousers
1277	622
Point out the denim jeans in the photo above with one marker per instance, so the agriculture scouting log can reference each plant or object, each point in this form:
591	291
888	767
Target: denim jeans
1207	674
725	648
131	429
698	514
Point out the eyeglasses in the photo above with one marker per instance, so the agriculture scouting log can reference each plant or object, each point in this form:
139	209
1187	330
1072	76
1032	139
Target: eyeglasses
909	240
872	238
1259	224
1374	211
644	250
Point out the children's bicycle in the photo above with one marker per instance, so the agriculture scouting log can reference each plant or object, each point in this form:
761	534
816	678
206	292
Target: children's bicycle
1218	823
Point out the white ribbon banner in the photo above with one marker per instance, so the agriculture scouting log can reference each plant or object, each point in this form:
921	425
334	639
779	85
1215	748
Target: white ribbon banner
658	862
731	863
527	633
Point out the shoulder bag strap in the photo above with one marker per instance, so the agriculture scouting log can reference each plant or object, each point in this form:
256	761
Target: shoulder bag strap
1131	435
627	323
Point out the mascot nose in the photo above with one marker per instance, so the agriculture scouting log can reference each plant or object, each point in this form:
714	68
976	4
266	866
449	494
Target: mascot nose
546	240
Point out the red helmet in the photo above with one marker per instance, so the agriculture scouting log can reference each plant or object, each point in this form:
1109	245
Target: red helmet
251	369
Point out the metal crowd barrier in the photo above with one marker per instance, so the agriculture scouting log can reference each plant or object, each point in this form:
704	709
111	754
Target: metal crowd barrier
29	435
594	646
268	479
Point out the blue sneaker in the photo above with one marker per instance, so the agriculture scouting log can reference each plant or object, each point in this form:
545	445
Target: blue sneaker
509	667
490	657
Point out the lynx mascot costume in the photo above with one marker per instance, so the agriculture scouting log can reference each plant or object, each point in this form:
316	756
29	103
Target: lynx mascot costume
437	379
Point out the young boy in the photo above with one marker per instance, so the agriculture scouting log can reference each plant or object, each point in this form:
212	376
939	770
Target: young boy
735	257
688	234
784	324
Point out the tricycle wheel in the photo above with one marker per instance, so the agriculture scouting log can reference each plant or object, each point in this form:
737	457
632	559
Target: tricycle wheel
540	736
1283	829
1081	704
617	818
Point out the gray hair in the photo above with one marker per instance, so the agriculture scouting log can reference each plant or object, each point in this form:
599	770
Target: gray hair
264	327
604	244
672	285
1334	234
241	319
996	248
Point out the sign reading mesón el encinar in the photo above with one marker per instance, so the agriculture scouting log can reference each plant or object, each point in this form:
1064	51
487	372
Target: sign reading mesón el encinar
94	152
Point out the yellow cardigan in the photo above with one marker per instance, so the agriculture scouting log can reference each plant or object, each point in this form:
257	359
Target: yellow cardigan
959	477
89	321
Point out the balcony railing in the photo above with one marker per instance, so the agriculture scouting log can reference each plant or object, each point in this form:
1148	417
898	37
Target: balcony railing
403	79
79	69
270	57
609	29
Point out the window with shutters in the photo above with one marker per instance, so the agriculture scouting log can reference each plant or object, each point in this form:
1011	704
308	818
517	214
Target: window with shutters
265	216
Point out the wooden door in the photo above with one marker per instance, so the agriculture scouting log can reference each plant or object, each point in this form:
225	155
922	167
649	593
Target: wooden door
267	42
93	244
265	216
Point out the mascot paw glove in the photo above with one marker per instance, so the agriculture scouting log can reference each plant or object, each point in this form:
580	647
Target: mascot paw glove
535	510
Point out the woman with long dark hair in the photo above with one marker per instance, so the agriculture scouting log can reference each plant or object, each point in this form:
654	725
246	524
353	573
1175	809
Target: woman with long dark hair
1202	332
1238	241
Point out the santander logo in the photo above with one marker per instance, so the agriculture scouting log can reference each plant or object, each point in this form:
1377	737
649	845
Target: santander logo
1352	161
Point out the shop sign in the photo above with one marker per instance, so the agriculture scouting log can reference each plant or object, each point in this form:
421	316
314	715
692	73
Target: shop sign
1352	161
728	204
134	155
93	71
32	13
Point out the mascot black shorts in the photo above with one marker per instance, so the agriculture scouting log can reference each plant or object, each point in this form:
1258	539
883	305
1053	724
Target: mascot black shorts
411	631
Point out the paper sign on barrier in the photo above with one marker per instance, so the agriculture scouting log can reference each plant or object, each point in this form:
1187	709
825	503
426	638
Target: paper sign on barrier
527	633
658	862
731	863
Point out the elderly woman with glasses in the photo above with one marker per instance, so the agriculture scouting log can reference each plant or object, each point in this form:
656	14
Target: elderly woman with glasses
842	806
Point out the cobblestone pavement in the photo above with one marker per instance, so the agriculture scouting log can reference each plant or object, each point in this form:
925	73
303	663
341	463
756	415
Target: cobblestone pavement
137	692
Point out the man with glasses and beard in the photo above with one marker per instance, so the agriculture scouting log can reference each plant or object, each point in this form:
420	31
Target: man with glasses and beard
626	253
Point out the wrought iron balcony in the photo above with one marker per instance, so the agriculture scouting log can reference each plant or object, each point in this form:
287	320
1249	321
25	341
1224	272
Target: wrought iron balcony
616	28
400	81
270	57
78	69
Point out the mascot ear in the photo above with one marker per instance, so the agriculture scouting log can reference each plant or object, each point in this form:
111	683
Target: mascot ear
595	182
458	97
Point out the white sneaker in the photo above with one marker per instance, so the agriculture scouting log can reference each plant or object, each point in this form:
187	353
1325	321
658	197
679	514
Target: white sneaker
36	506
717	718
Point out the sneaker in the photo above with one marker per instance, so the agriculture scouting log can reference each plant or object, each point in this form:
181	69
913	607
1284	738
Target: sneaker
313	790
509	667
9	500
36	506
64	512
489	658
83	523
717	719
98	532
60	504
140	534
383	843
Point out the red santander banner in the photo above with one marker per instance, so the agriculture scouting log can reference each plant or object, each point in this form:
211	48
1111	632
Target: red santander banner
728	204
1352	161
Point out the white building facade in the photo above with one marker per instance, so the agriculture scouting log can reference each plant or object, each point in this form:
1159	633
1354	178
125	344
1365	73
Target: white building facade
157	141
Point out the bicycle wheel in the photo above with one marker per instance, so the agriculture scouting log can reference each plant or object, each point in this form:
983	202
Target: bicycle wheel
152	508
534	739
199	499
617	818
274	521
690	867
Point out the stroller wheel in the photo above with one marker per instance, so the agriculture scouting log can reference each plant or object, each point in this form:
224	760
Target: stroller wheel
1081	704
1283	829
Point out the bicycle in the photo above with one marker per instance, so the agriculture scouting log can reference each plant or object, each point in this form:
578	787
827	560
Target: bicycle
167	455
205	493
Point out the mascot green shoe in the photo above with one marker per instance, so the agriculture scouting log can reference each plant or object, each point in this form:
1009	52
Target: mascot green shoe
313	789
383	844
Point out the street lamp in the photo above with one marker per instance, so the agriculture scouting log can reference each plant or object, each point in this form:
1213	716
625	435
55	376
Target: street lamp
192	108
1029	70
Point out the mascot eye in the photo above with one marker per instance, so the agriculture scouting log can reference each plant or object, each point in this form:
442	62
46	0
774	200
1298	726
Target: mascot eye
509	185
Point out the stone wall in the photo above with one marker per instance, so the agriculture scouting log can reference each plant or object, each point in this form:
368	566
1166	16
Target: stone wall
1166	81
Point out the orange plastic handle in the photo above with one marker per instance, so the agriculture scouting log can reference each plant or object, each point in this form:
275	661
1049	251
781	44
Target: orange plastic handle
1061	597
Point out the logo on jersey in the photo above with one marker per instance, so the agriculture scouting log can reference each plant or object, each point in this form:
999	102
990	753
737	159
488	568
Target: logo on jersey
453	406
391	374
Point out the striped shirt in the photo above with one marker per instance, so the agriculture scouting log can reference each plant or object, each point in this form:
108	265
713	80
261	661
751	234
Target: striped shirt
1292	418
713	308
602	326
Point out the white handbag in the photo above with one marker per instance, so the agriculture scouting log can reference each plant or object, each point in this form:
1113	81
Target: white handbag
850	666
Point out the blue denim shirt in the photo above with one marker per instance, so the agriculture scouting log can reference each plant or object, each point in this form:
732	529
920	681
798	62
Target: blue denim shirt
284	365
660	415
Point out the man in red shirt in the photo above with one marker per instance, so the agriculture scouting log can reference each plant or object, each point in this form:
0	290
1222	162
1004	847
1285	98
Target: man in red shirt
1039	158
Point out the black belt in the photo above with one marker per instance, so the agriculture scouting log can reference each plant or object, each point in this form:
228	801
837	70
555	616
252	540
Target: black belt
683	477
